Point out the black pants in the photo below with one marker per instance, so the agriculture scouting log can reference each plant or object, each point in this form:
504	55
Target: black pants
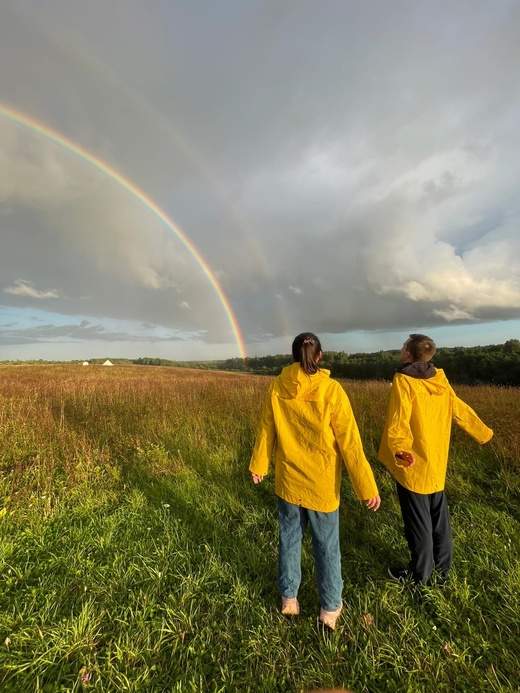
428	533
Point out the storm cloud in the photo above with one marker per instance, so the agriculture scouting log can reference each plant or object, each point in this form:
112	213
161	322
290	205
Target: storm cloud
341	166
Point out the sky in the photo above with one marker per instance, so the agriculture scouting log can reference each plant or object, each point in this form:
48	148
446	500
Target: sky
349	168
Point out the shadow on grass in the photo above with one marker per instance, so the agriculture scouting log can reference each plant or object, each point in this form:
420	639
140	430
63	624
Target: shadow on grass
223	525
220	528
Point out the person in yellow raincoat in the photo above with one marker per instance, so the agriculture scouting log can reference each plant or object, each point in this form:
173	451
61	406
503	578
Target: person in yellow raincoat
414	448
308	423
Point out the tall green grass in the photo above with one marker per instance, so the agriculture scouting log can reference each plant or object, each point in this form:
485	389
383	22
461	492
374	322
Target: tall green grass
135	555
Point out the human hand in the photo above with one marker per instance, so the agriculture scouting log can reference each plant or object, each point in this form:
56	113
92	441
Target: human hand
406	458
256	478
373	503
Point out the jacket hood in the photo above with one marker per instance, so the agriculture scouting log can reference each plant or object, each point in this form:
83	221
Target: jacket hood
418	369
294	383
436	384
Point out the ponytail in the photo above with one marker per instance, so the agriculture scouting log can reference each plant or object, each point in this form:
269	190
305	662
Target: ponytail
306	350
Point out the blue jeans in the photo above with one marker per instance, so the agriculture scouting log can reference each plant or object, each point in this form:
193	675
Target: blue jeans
325	542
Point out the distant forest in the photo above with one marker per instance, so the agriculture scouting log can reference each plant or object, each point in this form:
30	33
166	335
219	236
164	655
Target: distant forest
498	364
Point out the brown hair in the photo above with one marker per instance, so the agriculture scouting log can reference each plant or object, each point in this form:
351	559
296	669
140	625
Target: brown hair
421	347
306	349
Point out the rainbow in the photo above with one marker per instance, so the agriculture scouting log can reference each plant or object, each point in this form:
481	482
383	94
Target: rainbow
44	130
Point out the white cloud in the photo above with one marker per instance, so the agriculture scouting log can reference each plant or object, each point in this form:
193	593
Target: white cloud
453	313
25	288
426	270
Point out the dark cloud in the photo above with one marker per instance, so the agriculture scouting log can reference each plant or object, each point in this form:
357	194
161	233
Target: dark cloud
11	334
346	165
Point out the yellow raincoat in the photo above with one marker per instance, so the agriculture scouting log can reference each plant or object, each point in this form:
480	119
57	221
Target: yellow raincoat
308	421
420	413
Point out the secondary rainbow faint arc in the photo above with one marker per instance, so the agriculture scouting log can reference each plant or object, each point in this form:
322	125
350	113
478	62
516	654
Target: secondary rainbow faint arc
55	136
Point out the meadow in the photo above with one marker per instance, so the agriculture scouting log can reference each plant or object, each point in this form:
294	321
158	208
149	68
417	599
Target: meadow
135	554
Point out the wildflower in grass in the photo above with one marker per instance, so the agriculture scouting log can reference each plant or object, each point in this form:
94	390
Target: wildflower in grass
367	620
85	676
448	649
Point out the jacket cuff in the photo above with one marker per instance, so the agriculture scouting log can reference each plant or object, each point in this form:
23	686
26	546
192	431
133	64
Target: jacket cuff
487	437
368	491
258	468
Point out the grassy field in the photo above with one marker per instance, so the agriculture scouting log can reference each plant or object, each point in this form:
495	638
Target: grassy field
135	555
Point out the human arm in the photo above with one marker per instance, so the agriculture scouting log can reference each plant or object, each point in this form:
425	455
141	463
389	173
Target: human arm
265	440
347	437
467	419
399	432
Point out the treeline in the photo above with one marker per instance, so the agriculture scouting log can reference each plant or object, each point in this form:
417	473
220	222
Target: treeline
497	364
150	361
